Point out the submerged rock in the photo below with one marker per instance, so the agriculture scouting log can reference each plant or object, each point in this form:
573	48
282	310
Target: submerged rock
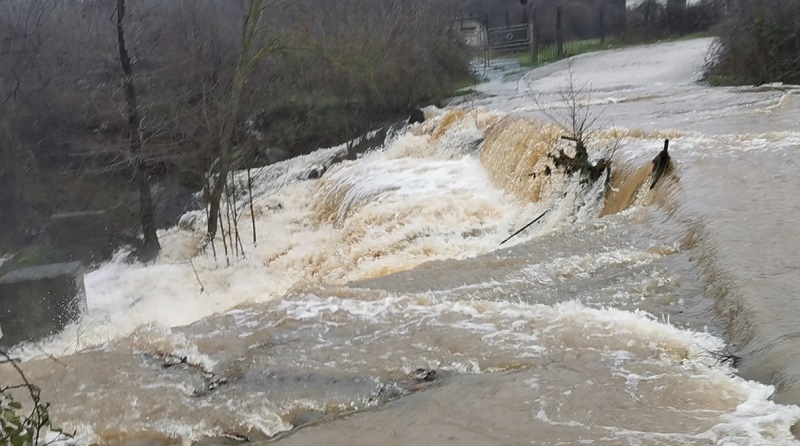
416	116
313	172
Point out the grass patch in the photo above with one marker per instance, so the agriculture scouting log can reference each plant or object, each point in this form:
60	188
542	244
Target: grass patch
718	80
464	92
465	84
548	54
463	87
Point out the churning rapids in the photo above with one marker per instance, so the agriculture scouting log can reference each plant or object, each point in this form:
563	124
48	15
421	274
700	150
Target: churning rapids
378	308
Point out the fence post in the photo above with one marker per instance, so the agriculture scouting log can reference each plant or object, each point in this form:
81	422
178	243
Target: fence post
602	22
559	36
533	36
486	55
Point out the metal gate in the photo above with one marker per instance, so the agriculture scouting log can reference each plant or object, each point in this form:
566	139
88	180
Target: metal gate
508	38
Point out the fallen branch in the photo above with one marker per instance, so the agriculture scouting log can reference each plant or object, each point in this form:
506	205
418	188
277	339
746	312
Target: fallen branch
524	227
197	276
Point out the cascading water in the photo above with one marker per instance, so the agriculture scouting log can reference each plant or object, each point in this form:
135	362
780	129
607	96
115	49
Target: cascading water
381	285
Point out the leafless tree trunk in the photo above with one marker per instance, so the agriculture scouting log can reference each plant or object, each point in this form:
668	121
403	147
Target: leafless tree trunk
146	211
243	67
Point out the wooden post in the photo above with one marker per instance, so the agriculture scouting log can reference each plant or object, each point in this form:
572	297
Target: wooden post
602	22
486	54
533	36
559	36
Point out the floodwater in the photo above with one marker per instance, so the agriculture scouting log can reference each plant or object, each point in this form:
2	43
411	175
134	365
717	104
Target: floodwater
378	307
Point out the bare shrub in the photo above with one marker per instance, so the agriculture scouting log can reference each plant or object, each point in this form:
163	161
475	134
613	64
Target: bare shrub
581	125
758	43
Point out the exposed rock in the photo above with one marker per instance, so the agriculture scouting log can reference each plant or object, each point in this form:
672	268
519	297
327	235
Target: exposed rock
40	301
82	236
416	116
425	375
313	172
171	201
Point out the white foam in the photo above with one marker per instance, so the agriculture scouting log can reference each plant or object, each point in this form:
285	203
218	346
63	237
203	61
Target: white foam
395	213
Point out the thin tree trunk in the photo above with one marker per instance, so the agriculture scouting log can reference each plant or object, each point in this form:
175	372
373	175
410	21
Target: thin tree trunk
146	211
229	123
252	214
224	242
235	214
228	206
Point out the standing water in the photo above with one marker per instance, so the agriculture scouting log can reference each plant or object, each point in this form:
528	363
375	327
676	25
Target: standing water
381	292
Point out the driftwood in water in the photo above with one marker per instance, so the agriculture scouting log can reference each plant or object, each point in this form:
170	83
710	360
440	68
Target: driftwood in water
524	228
661	164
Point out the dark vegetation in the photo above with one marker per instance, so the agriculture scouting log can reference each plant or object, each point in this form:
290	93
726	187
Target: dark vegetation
317	73
759	42
601	20
652	20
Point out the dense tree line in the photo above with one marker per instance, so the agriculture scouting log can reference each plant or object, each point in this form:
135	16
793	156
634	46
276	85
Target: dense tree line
759	42
332	69
659	19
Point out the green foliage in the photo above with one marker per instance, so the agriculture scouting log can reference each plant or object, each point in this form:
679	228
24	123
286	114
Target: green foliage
576	48
548	55
18	427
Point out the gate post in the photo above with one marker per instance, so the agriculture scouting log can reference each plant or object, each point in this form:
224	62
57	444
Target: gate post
533	36
559	36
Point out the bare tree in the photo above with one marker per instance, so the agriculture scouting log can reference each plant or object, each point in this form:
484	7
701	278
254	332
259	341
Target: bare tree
254	33
146	212
581	125
209	87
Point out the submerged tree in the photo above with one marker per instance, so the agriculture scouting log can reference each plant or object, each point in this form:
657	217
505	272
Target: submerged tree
580	125
256	45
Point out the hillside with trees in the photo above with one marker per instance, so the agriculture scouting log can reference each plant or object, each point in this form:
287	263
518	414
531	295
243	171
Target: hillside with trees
321	73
